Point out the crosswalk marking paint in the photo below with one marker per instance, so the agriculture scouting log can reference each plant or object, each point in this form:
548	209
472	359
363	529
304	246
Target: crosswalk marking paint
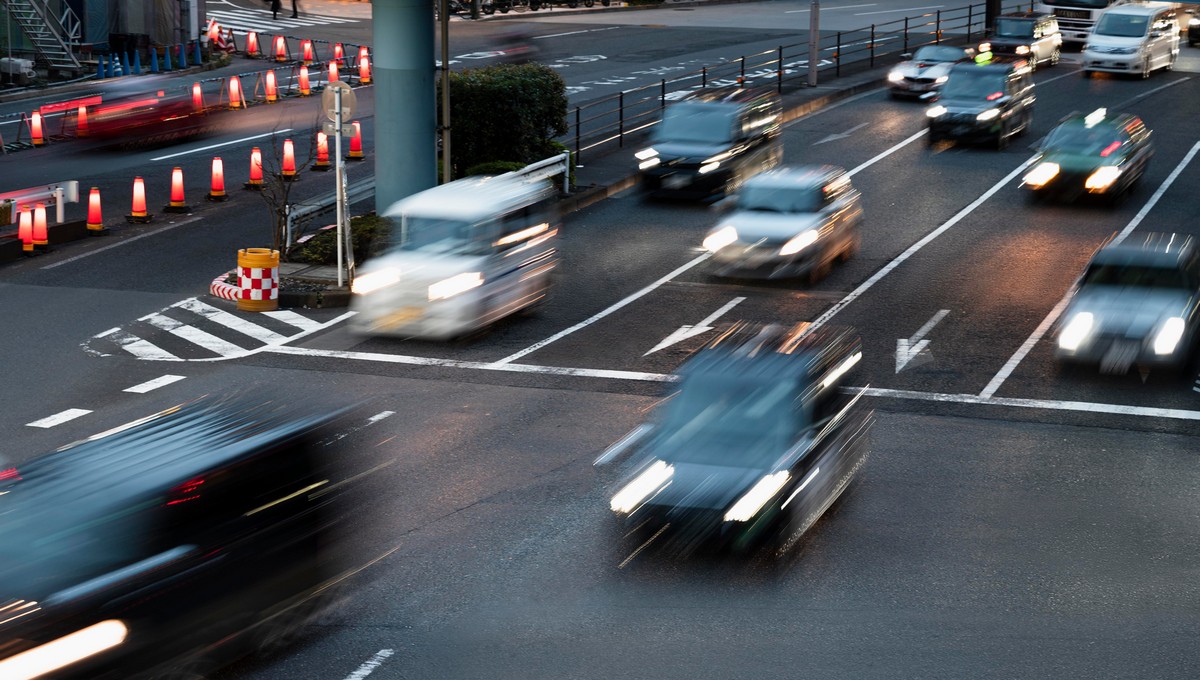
194	335
137	346
59	418
264	335
149	385
294	319
243	21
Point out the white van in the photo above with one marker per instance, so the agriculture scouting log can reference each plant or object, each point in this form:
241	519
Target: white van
1135	38
469	252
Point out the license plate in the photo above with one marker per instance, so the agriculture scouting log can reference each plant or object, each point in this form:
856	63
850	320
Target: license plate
675	181
400	317
1119	357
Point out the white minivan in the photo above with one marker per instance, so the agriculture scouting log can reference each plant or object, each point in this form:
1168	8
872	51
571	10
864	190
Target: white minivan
469	252
1135	38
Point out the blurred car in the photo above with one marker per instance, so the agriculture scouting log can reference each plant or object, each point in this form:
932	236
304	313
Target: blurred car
1135	303
761	438
1193	29
711	141
983	102
924	70
1030	36
471	252
1135	38
1097	153
132	112
167	547
788	222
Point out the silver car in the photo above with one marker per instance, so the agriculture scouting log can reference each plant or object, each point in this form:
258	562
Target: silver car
1135	303
925	70
788	223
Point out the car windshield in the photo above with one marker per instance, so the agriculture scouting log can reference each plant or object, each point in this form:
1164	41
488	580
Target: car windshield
974	85
723	420
697	122
1087	4
936	54
1122	25
438	235
1013	28
1140	276
1100	141
780	199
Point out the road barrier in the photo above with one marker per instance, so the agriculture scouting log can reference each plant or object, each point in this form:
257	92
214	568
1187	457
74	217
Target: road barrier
177	204
58	194
258	279
95	219
138	213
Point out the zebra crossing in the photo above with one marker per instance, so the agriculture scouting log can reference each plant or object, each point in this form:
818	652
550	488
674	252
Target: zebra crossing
193	330
242	21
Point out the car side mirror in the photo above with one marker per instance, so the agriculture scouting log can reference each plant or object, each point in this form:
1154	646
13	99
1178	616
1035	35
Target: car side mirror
906	56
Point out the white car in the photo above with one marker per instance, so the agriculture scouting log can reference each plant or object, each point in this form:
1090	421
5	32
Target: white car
924	71
1136	38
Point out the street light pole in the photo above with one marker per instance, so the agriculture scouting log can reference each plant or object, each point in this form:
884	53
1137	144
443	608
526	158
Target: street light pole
444	15
814	41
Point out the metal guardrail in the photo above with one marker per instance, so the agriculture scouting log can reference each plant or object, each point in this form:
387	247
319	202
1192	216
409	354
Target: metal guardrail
58	194
613	118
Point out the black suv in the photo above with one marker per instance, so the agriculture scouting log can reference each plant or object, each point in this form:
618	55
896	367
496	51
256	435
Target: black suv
1030	36
987	103
711	141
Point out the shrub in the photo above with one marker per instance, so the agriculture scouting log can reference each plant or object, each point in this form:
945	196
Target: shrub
494	168
368	233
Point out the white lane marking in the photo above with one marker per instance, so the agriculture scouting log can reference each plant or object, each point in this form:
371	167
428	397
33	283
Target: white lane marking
149	385
370	665
828	9
590	30
294	319
370	421
122	242
841	135
603	313
1047	404
217	146
908	348
380	416
137	346
230	321
902	9
686	332
623	443
59	418
1147	93
195	336
1026	347
912	138
914	248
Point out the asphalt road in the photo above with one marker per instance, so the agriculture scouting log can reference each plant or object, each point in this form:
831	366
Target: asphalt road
1014	520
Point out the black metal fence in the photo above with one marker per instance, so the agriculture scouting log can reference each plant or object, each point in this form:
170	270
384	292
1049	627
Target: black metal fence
613	118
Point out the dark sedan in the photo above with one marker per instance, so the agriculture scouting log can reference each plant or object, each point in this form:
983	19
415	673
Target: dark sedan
1097	153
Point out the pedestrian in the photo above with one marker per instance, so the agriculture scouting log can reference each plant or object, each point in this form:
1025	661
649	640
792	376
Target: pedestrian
276	5
295	9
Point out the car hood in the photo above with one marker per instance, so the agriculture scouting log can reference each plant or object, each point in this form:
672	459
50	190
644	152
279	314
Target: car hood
706	487
1095	40
922	69
755	225
975	106
1076	162
1008	42
673	151
1129	311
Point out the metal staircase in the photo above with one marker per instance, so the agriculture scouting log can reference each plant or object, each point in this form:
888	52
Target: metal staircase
52	35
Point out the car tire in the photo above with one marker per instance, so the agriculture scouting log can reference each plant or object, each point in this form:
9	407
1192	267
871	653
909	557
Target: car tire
932	139
1086	73
489	9
589	3
820	270
1002	139
1055	56
851	249
1171	63
1146	68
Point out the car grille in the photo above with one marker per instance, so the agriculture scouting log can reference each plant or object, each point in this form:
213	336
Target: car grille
922	81
959	117
1071	13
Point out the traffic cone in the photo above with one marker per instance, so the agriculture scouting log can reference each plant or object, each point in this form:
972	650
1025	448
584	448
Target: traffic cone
306	52
197	97
256	174
305	88
81	122
356	152
333	71
364	66
138	212
183	56
322	162
153	60
288	168
35	129
338	54
137	63
199	57
25	230
167	59
95	222
41	239
280	49
177	204
100	74
272	90
214	29
236	100
217	193
252	45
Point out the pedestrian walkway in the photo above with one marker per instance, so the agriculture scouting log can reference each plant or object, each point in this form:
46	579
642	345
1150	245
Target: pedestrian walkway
242	21
192	330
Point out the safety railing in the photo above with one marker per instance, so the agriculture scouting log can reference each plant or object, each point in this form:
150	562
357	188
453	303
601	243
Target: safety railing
611	119
57	194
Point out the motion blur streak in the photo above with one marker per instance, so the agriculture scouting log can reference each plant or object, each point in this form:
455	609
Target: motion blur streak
643	485
642	547
64	651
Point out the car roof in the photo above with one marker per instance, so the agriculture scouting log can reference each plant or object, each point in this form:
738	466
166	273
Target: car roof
806	176
472	198
770	351
1148	248
729	95
1139	8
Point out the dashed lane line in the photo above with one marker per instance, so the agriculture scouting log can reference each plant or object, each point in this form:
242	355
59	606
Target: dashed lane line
151	385
59	418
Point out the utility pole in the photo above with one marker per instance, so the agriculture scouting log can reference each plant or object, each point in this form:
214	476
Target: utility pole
444	13
814	41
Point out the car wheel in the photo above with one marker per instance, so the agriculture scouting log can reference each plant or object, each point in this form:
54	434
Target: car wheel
1146	68
1086	73
573	4
820	270
1002	138
852	247
589	3
1171	63
1055	56
932	139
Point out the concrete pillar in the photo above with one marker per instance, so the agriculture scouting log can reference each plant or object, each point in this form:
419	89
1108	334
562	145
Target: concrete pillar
405	99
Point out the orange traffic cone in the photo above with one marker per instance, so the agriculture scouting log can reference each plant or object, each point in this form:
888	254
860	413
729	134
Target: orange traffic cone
288	168
356	152
25	230
138	213
272	90
252	44
364	66
306	52
81	122
305	88
197	97
35	129
217	192
177	204
333	71
256	174
322	162
41	238
280	49
338	54
95	222
236	100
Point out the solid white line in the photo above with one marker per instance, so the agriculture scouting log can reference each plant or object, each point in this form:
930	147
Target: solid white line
230	321
1048	404
1123	105
122	242
720	312
1011	365
59	418
828	9
914	137
590	30
1137	219
902	9
294	319
138	347
217	146
260	16
912	250
150	385
600	315
195	336
370	665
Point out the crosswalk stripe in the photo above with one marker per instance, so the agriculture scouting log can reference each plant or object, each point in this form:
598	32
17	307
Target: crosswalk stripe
194	335
230	321
294	319
260	15
137	346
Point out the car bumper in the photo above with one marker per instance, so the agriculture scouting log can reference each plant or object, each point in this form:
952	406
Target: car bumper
912	89
441	320
1112	63
965	131
1120	353
668	181
764	263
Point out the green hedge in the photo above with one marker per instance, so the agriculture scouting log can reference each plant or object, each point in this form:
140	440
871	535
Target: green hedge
495	168
368	233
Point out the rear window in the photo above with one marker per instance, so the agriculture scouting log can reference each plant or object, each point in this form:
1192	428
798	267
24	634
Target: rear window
1137	276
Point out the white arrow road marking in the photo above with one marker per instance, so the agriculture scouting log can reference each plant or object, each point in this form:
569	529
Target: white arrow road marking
686	332
841	135
907	350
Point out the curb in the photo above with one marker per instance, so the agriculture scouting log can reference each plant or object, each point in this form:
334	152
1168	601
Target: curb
75	230
319	300
668	4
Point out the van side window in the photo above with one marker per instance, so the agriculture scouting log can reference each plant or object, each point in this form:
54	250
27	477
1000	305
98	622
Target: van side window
523	223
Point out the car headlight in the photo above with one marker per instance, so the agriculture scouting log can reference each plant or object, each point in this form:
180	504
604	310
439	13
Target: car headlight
984	47
720	238
1041	175
799	242
753	500
935	111
895	76
1169	336
1102	178
1022	49
649	163
455	285
709	167
64	651
1075	332
1193	22
941	79
373	281
646	154
642	486
1124	50
990	114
